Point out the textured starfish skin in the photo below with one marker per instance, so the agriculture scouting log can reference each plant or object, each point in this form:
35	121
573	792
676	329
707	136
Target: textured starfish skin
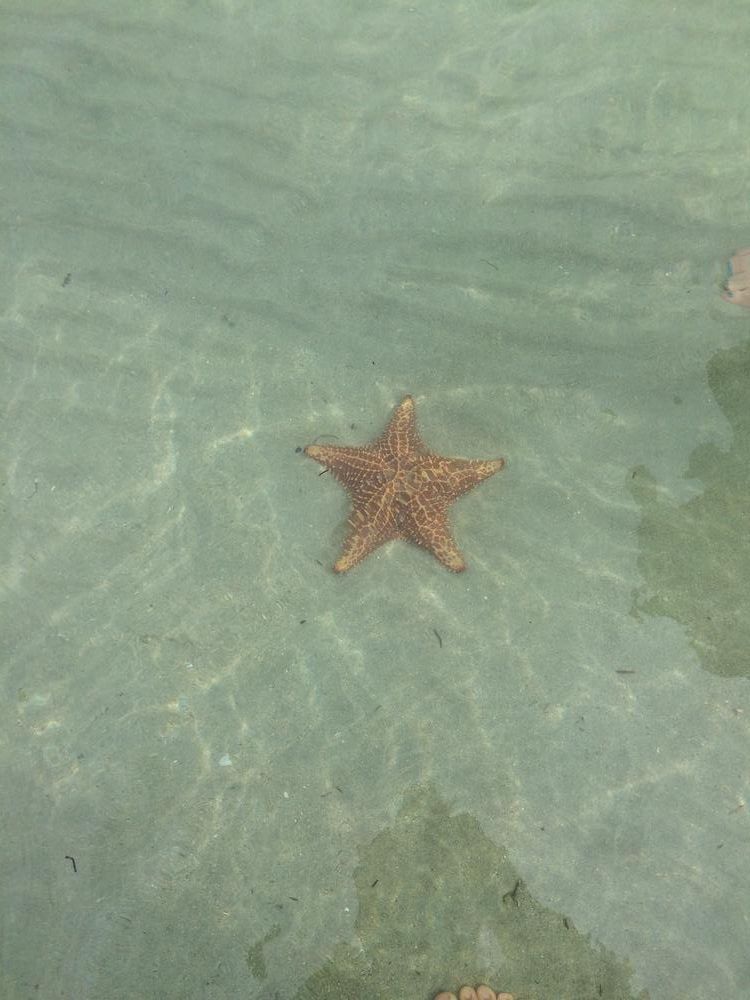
401	490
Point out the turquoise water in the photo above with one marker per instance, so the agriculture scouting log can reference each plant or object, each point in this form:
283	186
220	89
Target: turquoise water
232	229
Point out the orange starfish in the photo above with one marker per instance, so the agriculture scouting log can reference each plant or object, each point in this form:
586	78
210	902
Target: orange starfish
400	490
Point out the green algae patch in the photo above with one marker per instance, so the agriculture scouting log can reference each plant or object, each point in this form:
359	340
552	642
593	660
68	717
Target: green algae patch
256	960
695	557
441	905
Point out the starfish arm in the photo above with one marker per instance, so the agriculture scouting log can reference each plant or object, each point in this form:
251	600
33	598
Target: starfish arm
401	436
353	467
429	529
445	479
370	526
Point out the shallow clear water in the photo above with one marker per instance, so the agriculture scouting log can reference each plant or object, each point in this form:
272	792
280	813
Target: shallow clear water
236	228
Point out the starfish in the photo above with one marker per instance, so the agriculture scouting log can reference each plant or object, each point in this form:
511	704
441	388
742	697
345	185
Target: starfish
401	490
